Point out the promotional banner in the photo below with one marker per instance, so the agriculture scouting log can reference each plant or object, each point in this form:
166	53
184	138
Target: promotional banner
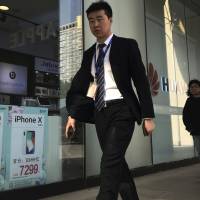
28	132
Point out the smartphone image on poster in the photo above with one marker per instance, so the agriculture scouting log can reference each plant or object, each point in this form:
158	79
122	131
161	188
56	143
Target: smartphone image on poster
29	146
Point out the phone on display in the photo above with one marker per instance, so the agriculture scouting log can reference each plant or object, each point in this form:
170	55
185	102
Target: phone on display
29	142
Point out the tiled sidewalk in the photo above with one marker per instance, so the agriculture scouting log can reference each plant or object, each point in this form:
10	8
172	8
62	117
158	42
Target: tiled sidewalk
177	184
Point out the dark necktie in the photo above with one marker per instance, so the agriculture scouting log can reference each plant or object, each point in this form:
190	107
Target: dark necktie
100	93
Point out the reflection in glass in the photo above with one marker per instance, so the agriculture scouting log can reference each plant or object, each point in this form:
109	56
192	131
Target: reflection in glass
71	50
173	49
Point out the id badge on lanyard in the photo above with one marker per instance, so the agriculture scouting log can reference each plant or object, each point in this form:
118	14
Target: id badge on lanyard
93	85
92	90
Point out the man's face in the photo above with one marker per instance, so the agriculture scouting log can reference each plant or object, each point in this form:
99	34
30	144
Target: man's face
100	25
195	89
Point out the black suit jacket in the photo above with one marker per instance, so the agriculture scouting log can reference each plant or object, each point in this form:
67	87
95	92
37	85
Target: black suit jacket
127	67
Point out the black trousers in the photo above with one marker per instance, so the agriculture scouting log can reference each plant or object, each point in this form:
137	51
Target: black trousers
115	126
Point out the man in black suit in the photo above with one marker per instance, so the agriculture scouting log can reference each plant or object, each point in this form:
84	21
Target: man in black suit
112	63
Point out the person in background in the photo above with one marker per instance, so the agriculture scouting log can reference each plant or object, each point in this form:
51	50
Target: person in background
191	112
112	63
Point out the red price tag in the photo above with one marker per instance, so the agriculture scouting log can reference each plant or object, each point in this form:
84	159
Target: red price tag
29	169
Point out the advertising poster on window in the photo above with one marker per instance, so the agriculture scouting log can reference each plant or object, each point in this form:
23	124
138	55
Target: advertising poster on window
3	120
28	132
1	136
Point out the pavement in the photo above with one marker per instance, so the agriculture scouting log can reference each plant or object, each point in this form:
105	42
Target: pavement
182	183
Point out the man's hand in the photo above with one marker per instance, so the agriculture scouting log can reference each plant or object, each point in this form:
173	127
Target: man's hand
149	125
70	124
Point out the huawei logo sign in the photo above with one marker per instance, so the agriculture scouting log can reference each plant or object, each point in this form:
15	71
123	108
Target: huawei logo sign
153	79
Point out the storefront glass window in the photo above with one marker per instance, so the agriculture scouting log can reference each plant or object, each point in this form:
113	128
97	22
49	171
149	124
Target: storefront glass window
41	49
71	50
29	94
170	48
192	16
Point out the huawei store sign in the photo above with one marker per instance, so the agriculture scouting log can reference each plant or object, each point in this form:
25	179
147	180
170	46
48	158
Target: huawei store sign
153	79
32	34
163	83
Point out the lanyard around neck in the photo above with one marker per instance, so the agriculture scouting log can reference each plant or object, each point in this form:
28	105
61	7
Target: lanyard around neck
97	67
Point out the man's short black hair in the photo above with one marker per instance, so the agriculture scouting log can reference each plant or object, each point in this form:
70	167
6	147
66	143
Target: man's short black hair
194	81
100	5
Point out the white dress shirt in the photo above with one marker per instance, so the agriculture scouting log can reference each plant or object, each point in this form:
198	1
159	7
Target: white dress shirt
111	90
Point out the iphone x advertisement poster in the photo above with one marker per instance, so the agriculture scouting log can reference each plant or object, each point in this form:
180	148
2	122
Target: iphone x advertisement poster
27	143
